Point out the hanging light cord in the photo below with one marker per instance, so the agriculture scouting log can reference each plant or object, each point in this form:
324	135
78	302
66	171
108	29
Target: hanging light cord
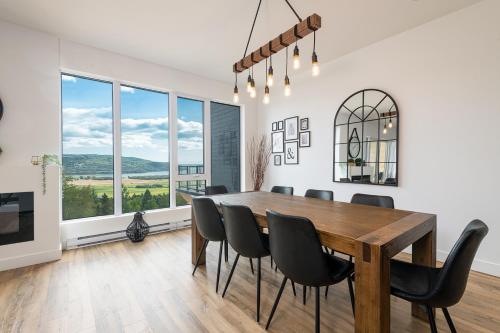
314	41
293	10
286	62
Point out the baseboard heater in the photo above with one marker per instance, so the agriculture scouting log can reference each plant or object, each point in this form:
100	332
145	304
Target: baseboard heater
119	235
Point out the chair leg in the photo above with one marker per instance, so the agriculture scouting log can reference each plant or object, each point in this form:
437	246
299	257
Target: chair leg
218	268
258	289
251	265
226	251
231	274
351	293
205	243
326	291
293	288
304	290
275	305
432	320
317	310
449	321
271	262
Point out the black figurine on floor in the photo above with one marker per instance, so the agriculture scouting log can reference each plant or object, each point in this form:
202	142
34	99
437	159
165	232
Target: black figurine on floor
138	229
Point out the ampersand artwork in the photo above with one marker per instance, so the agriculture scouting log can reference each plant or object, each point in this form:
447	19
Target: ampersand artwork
290	154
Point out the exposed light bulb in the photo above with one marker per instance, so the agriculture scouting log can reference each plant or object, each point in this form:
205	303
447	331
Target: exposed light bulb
249	83
266	98
270	80
385	129
253	91
315	64
296	58
288	90
236	97
390	123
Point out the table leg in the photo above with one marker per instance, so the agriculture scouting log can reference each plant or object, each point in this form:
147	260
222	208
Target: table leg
196	241
424	254
372	289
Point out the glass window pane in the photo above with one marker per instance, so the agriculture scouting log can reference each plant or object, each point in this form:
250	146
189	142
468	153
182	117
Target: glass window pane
225	145
145	150
87	146
186	189
190	136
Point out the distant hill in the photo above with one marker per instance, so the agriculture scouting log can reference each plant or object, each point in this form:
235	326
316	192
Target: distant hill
93	164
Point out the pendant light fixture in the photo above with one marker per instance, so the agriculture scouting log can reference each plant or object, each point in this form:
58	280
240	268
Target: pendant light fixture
385	127
390	122
283	40
236	97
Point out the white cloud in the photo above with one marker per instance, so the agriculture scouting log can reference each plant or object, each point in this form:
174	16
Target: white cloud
68	78
126	89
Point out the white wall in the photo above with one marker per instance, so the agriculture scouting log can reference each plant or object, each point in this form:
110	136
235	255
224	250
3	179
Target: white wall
30	64
445	78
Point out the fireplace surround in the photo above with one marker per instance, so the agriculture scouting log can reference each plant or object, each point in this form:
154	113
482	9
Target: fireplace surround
16	217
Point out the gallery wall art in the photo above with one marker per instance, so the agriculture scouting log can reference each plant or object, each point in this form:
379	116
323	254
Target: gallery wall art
288	136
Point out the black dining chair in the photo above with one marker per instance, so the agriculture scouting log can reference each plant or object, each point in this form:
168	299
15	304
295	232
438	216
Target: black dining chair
373	200
215	189
297	251
211	228
244	235
319	194
288	190
439	287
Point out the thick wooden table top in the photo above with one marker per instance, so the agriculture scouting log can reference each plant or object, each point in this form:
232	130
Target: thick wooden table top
339	224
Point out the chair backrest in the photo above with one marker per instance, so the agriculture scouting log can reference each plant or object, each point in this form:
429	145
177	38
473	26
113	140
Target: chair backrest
216	189
208	219
319	194
373	200
455	272
243	232
296	249
282	189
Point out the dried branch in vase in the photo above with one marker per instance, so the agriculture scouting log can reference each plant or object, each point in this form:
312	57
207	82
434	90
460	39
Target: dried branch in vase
260	152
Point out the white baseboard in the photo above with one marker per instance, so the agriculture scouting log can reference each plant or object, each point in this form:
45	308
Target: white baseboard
30	259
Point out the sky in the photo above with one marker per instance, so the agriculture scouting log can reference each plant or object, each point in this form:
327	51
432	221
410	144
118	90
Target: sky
88	126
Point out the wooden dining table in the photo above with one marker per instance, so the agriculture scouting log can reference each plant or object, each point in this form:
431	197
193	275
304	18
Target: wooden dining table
372	235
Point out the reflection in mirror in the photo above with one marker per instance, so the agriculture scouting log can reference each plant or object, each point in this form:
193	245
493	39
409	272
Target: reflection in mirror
366	139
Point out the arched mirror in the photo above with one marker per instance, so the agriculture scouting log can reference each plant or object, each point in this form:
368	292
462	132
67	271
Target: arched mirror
366	139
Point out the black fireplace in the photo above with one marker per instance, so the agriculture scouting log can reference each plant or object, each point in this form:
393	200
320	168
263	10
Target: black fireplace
16	217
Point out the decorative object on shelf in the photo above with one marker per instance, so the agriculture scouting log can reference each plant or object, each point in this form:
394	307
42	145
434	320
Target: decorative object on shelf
291	128
280	125
277	160
47	159
265	52
305	139
260	152
138	229
304	124
292	152
277	142
275	126
366	134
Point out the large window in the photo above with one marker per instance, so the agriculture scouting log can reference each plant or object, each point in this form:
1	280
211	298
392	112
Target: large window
87	112
145	153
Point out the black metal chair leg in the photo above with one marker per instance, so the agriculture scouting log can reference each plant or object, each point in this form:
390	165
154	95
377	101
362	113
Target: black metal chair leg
271	262
449	321
326	291
304	290
432	321
226	251
218	268
317	310
251	265
231	274
275	305
293	288
258	289
351	293
199	255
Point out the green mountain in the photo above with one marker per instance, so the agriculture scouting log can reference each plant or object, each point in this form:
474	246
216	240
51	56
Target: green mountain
93	164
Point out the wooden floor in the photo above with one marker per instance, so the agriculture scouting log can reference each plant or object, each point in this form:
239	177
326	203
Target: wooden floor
148	287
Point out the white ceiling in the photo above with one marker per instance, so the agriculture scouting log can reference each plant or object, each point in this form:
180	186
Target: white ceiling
207	36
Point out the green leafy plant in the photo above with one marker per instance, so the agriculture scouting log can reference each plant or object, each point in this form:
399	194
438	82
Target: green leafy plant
48	159
359	161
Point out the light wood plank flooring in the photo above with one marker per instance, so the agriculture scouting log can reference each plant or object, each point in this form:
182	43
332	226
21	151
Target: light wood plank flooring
148	287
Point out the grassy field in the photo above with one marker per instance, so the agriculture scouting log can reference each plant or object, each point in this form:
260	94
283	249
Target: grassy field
106	186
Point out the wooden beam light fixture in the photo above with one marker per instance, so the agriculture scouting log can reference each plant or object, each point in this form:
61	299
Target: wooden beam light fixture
289	37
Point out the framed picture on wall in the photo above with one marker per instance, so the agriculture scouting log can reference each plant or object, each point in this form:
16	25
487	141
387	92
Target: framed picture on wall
304	124
291	129
277	142
292	152
280	125
305	139
277	159
275	126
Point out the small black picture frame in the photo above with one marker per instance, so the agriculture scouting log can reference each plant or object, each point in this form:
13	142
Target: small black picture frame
275	126
292	153
304	124
280	125
277	160
305	139
291	129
